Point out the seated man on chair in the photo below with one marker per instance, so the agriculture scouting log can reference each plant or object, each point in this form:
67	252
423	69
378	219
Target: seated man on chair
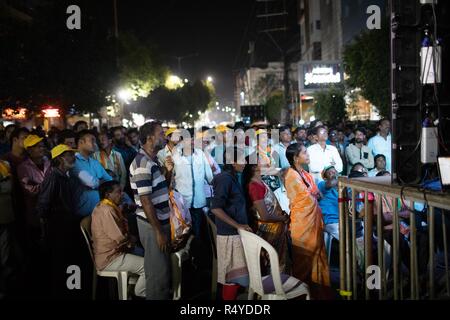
110	237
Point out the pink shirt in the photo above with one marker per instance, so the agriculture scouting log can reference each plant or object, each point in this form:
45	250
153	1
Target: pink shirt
30	178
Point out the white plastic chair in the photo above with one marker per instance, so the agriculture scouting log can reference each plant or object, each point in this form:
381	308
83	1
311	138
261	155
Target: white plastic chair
212	231
122	277
177	261
269	287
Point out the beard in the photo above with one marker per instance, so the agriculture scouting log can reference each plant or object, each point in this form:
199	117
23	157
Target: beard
160	145
359	140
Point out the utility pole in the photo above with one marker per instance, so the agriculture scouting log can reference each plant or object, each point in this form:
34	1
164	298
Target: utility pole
180	58
271	28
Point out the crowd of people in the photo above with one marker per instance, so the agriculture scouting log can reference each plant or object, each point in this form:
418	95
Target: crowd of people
147	189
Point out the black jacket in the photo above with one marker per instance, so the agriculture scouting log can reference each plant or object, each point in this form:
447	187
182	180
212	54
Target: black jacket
57	196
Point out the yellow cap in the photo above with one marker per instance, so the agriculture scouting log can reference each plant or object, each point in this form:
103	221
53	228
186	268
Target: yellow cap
5	169
31	140
259	131
60	149
221	128
169	131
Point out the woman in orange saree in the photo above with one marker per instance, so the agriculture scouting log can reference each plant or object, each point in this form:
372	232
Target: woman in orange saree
309	260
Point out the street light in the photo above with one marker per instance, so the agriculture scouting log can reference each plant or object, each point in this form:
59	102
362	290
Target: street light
209	79
173	82
124	95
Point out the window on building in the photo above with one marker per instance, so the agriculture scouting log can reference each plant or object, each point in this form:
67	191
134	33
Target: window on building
317	24
317	51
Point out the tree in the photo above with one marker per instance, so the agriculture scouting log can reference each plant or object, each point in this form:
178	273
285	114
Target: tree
266	87
330	104
178	105
140	66
366	62
274	104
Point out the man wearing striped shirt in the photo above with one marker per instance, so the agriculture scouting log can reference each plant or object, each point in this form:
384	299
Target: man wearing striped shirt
151	195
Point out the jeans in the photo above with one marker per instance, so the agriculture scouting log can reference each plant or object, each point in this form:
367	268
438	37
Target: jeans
201	251
133	264
157	264
333	230
197	221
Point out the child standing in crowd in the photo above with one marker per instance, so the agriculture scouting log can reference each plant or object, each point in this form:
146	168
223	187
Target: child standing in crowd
228	205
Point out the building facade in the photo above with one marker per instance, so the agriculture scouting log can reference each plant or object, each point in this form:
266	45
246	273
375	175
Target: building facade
326	27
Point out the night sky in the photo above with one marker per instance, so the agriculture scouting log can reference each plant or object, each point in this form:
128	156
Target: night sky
213	29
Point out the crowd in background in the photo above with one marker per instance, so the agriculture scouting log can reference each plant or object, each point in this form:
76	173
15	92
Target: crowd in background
146	190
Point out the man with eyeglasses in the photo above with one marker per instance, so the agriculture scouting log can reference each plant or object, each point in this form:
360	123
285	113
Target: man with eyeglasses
323	155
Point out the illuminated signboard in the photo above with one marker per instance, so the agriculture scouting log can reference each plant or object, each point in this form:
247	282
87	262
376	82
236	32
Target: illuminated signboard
51	113
14	113
318	75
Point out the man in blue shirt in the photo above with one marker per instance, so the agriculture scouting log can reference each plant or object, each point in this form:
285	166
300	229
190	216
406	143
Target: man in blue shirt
89	173
329	201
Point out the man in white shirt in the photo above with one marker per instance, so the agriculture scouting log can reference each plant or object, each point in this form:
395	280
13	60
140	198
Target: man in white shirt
322	155
191	169
172	141
381	143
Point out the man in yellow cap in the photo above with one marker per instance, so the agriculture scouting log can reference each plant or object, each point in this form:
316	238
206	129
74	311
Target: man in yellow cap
31	174
56	208
165	155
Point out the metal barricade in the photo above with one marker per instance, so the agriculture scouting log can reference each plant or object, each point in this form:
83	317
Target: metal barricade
393	278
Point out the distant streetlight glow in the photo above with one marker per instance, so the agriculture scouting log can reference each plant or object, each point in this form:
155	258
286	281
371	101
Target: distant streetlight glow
125	95
217	103
173	82
186	80
209	79
138	119
301	122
